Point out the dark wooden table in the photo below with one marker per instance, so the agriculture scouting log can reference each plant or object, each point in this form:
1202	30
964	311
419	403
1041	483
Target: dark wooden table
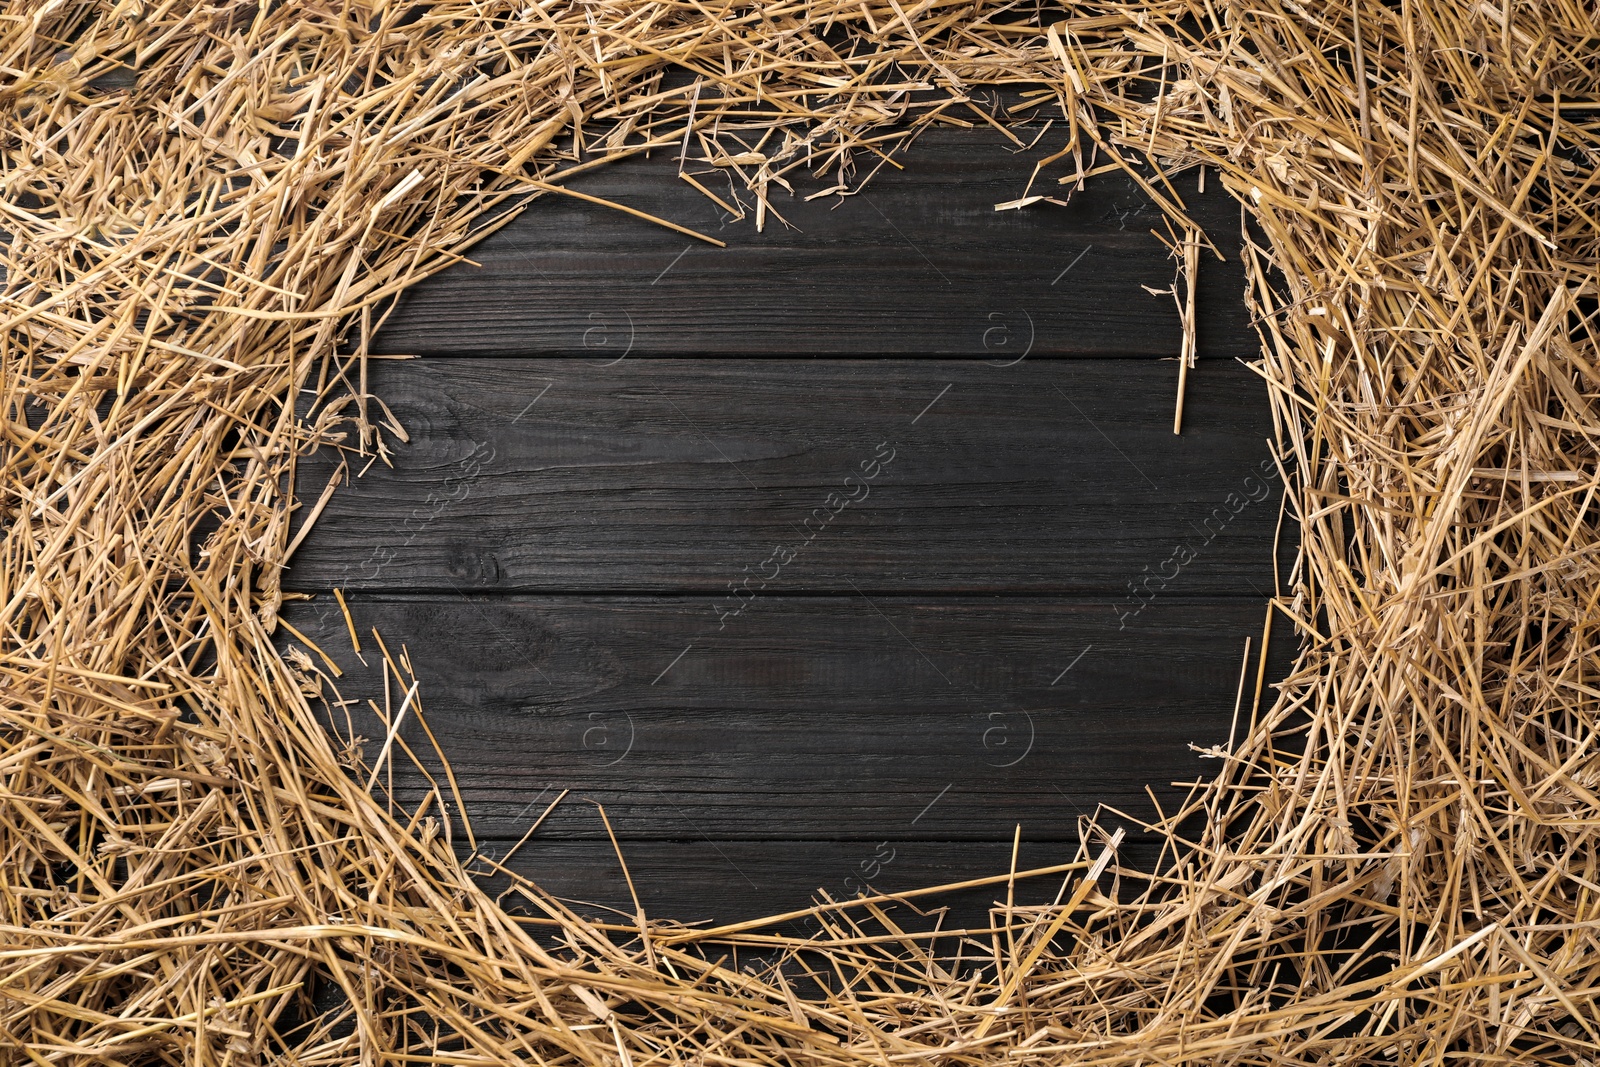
811	558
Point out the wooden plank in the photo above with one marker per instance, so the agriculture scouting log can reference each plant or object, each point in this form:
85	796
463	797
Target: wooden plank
840	718
919	263
690	476
692	879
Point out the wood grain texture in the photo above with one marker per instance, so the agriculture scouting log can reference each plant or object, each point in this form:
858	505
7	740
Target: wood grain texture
668	536
544	475
820	718
690	879
919	263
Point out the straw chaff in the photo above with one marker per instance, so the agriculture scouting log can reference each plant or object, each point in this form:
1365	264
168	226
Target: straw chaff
207	208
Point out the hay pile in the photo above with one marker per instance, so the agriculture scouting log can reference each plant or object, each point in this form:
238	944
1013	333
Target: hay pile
206	208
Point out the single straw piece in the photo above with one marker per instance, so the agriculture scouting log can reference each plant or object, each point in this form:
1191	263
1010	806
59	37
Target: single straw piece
1189	273
388	741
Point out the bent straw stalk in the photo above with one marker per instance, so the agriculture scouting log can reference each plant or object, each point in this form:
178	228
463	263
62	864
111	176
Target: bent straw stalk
206	212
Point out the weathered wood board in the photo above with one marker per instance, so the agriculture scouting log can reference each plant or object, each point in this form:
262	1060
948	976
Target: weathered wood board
860	538
895	476
918	264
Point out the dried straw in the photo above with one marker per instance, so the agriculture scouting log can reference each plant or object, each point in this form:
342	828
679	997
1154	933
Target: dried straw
207	209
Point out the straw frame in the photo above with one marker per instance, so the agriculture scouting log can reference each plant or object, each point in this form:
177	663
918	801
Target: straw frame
206	211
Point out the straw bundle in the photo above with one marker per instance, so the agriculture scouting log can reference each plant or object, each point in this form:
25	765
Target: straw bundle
206	209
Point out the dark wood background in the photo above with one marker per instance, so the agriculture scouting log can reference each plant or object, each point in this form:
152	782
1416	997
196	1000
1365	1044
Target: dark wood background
614	425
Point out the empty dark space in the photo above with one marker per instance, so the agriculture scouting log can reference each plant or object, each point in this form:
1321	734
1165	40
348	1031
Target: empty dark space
812	558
